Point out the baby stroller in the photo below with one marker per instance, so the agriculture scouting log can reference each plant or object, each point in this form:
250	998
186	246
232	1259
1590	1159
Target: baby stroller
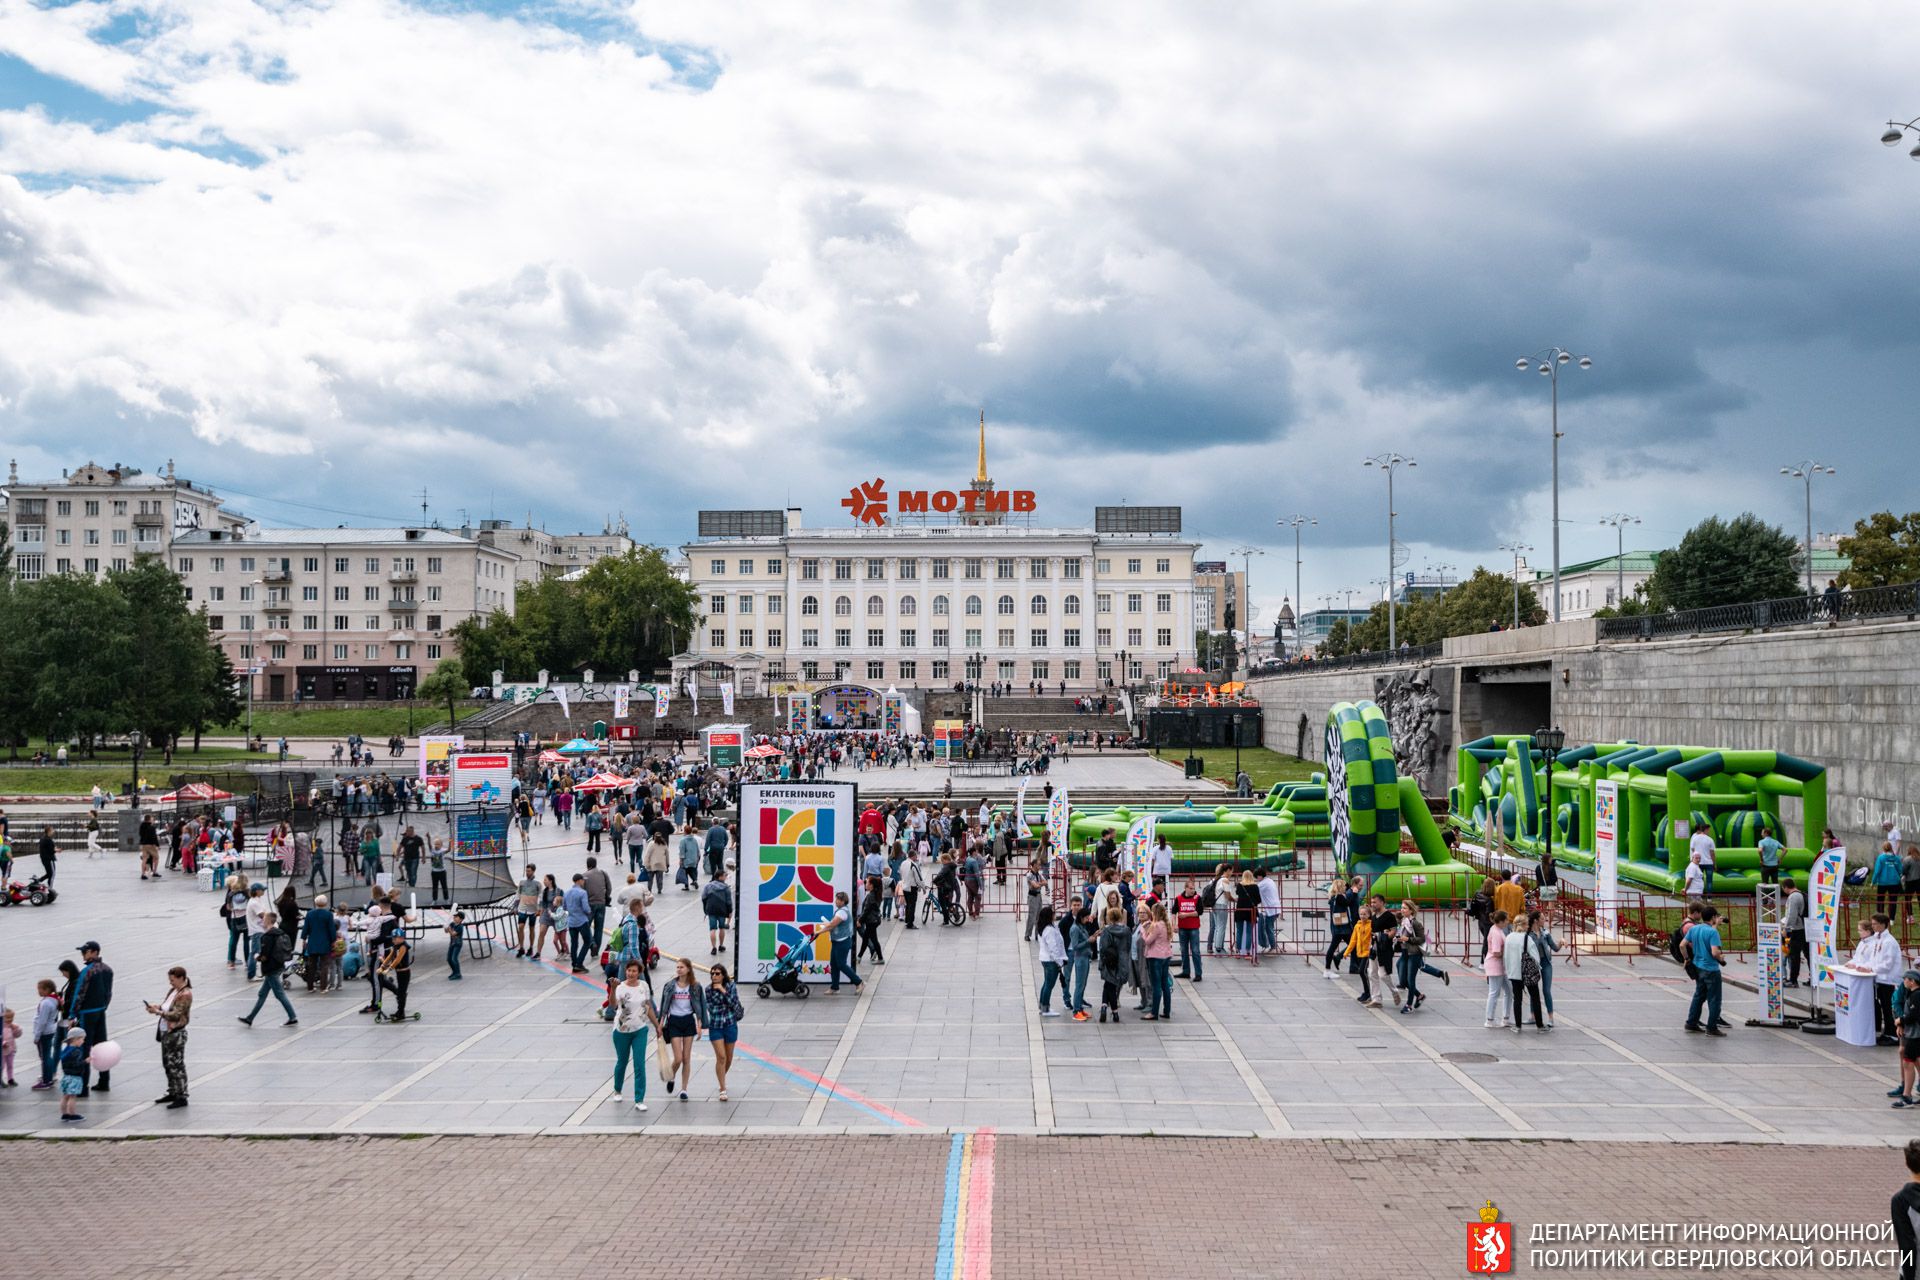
785	977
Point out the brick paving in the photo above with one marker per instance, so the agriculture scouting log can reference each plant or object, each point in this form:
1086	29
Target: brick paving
697	1207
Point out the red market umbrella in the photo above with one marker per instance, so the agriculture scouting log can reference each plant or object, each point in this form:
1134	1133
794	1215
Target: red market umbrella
194	792
604	782
551	757
765	751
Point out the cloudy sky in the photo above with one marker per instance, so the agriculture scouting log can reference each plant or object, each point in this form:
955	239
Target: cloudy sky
587	258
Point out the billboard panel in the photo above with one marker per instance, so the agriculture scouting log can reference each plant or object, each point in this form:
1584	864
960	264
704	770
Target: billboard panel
796	852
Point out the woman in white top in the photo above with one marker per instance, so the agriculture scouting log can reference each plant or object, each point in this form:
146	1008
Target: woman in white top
1523	954
1053	959
632	1016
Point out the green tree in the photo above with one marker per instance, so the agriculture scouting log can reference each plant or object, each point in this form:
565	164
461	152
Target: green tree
1884	549
16	700
169	689
1725	562
448	681
76	635
552	616
1339	641
638	611
220	701
497	642
1416	621
1486	599
6	549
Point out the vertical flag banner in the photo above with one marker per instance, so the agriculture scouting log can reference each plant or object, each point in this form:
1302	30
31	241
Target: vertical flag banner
662	696
693	694
1020	810
622	700
435	750
1606	859
726	698
1823	913
560	696
1058	815
892	711
796	853
798	707
1137	853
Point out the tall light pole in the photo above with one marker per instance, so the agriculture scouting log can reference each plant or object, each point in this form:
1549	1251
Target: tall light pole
253	656
1518	549
1298	602
1387	462
1897	133
1246	555
1549	362
1806	471
1619	521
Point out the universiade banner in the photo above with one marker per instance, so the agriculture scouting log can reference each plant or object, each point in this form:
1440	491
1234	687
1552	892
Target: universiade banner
1058	817
622	700
796	853
1823	913
1606	860
1138	852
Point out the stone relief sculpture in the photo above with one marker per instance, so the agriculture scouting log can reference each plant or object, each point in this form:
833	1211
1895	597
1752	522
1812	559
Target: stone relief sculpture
1417	714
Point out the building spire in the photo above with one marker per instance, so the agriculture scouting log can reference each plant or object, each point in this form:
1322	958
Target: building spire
980	471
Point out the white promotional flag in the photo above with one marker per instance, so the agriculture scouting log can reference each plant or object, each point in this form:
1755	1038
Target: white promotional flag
1020	810
622	700
1058	817
726	698
1137	853
662	695
693	694
560	696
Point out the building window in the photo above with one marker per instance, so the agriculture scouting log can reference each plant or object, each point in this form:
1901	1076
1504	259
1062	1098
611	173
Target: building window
1103	636
843	606
373	651
1006	669
716	604
61	507
1005	637
373	622
843	569
1071	606
746	568
373	564
1004	606
246	592
843	637
1163	566
970	567
876	570
1133	565
941	637
939	606
876	671
775	637
1103	565
973	606
773	567
810	570
1134	601
343	593
1103	602
1037	605
876	638
1070	567
909	638
942	569
216	622
310	652
1037	637
310	593
433	652
908	606
1162	602
809	671
92	537
339	564
90	507
876	607
1133	637
719	566
311	564
809	606
972	638
776	604
940	669
1163	637
29	568
64	565
309	622
1040	669
216	593
809	638
341	622
909	571
184	564
339	653
89	565
1103	670
1003	568
372	594
746	639
1070	637
717	638
433	622
909	670
744	605
119	537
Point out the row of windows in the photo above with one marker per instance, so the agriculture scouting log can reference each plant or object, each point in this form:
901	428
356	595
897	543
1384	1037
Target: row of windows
909	606
118	506
875	568
311	564
311	622
402	652
35	535
940	670
745	638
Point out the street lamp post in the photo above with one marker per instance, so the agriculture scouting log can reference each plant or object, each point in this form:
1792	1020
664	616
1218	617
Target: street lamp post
1897	133
1299	601
1387	462
1548	742
133	792
1619	521
1806	471
1549	362
1517	549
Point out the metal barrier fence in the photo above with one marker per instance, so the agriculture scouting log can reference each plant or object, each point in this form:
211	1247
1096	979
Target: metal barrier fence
1901	601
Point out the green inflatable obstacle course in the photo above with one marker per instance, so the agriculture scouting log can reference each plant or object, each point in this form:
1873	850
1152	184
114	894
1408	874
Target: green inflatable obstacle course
1201	838
1369	807
1506	789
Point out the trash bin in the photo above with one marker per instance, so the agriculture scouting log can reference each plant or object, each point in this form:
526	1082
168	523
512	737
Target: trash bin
1194	764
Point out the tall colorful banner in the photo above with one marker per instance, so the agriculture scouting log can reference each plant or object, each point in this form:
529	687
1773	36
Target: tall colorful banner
799	706
1058	817
1137	852
435	750
891	711
796	853
726	698
662	697
1770	967
1823	913
1606	859
622	701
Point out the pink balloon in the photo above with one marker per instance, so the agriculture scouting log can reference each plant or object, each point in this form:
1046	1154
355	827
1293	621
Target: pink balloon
105	1056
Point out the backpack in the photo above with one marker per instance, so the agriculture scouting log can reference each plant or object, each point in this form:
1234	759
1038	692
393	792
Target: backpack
715	899
1208	896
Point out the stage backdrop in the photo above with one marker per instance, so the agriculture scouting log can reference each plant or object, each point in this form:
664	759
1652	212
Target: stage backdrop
796	853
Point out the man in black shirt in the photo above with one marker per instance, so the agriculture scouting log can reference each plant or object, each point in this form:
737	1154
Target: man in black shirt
411	847
1906	1212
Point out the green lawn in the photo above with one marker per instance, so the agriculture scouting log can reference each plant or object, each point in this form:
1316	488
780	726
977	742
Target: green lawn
112	770
331	722
1263	766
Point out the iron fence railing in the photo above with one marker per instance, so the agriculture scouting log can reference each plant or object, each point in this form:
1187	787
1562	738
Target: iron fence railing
1379	658
1901	601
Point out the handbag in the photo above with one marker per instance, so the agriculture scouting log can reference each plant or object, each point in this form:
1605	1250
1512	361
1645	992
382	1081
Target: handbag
664	1052
1529	966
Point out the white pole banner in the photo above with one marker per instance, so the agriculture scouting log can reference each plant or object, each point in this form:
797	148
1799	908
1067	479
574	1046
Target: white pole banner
560	696
662	695
1606	860
726	698
796	852
622	701
693	694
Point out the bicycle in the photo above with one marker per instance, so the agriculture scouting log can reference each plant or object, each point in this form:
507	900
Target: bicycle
933	909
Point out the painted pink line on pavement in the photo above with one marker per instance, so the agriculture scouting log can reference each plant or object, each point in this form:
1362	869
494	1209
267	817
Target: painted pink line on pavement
979	1246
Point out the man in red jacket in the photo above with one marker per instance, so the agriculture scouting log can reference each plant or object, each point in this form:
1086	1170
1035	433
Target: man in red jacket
1186	915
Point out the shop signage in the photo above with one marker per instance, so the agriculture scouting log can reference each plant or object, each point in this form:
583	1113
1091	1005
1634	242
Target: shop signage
868	502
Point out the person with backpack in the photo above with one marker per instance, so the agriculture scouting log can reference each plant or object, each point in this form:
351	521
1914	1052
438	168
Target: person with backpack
1116	957
274	951
870	923
1677	939
717	901
1411	941
913	879
1216	901
1524	957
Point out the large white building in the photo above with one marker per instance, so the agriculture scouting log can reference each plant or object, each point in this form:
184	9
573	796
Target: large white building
955	588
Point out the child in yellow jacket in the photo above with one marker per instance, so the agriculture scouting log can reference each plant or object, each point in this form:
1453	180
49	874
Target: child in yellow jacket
1359	948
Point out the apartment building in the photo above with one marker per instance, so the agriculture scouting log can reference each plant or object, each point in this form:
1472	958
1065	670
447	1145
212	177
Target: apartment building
95	519
539	554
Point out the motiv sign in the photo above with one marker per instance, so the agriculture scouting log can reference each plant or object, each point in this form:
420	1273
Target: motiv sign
868	502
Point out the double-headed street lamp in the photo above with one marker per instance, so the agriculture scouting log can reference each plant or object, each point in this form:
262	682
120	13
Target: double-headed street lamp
1549	362
1619	521
1897	133
1299	604
1387	462
1518	549
1806	471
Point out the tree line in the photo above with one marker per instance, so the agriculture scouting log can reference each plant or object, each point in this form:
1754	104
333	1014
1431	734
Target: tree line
81	656
622	613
